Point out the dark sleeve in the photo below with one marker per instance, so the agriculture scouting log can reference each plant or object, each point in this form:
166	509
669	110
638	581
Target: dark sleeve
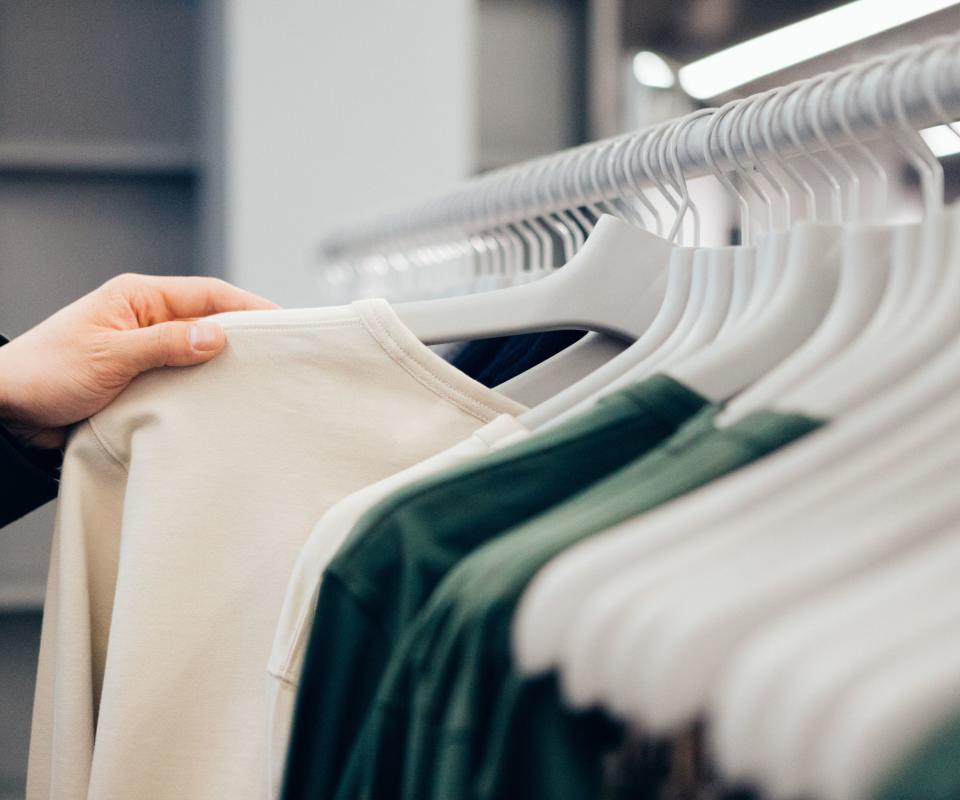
27	481
24	483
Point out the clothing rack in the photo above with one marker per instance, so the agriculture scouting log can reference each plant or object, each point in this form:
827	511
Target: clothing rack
866	100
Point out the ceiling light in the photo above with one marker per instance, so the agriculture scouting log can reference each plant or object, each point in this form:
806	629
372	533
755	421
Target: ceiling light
651	70
800	42
941	140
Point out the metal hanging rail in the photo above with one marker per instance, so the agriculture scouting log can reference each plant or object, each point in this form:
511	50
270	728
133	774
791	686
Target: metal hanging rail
908	89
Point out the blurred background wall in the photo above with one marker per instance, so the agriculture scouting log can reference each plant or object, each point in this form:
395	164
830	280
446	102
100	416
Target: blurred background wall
226	137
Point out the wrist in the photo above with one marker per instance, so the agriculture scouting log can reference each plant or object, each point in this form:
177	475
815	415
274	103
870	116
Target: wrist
46	459
26	437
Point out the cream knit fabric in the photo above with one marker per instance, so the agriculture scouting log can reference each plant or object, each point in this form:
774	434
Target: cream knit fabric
183	506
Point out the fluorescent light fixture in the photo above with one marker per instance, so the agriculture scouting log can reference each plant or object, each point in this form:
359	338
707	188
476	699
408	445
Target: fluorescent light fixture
800	42
941	140
651	70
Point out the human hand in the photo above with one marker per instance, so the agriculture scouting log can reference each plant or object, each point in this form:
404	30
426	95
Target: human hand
75	362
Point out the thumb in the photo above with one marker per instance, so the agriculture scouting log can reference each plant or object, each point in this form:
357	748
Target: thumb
174	344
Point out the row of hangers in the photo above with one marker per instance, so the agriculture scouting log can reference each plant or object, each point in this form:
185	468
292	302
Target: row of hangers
805	606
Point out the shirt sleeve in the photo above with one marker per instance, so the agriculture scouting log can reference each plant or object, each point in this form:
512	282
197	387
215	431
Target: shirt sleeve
77	615
26	481
342	669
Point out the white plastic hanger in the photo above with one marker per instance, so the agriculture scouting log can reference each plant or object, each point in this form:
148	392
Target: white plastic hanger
691	284
561	617
678	289
547	379
696	338
866	732
711	287
772	244
688	643
753	282
754	699
727	602
803	296
742	570
862	284
927	318
766	280
611	286
765	547
720	313
915	597
676	299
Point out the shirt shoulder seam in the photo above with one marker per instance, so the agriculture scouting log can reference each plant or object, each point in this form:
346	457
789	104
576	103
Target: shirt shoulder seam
104	446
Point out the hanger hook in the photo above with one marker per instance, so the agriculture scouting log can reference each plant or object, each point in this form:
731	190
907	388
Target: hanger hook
741	169
750	116
929	85
648	154
791	121
653	175
720	175
521	234
845	98
598	164
926	162
536	223
576	193
631	153
559	224
827	89
779	100
677	140
670	181
584	181
619	179
498	248
611	162
582	226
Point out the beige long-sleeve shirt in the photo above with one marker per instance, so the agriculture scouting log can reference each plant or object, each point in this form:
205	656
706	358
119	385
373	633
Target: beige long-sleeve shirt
183	507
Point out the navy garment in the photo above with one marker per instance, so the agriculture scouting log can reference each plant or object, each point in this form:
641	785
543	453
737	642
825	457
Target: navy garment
28	478
493	361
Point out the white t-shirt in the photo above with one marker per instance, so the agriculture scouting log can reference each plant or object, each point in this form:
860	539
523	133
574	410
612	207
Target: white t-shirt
183	507
300	603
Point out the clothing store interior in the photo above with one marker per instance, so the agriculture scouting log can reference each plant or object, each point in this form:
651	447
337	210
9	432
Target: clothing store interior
575	298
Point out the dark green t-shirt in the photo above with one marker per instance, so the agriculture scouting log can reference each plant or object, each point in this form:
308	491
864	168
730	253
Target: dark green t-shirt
403	548
931	773
452	718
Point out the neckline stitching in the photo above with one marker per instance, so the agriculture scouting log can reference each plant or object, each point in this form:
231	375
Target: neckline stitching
459	397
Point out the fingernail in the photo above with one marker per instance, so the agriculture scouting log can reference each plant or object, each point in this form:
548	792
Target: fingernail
205	335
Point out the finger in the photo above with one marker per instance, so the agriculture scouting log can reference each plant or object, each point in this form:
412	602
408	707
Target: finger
172	344
182	297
